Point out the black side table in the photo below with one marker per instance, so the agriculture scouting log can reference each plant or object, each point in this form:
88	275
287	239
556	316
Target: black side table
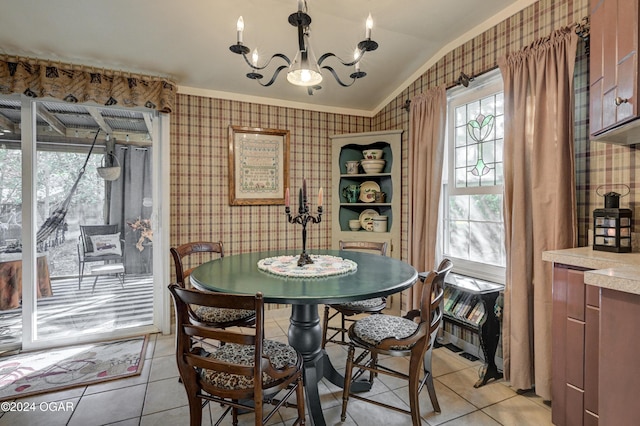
469	292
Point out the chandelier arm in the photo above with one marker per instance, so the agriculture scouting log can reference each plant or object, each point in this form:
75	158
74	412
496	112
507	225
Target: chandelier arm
335	75
346	64
273	78
277	55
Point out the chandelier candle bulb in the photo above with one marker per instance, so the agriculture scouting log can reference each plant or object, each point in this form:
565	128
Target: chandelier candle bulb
286	197
254	57
320	197
240	28
356	57
369	26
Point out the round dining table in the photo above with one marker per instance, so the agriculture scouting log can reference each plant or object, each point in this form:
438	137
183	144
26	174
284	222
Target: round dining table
375	276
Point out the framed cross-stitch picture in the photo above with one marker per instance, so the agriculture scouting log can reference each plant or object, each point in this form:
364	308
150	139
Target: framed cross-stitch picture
258	165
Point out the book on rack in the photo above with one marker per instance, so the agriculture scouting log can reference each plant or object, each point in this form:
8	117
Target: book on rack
476	316
458	302
463	305
472	312
455	295
446	297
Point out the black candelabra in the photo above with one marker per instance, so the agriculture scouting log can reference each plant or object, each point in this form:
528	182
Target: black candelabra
303	218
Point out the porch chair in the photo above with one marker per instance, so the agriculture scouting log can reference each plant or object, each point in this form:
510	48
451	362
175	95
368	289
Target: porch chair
227	375
396	336
211	316
346	310
99	243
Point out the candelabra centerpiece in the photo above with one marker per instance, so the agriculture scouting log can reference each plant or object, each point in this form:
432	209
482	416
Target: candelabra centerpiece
303	218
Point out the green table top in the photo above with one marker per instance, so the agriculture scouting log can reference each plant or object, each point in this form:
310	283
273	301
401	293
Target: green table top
376	276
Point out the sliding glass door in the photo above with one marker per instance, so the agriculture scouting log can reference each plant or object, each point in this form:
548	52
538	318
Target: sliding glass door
90	222
10	222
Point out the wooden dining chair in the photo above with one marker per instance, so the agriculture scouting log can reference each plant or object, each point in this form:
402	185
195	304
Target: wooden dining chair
349	309
202	251
395	336
246	372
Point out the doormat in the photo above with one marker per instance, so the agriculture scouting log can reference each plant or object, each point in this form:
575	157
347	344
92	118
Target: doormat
56	369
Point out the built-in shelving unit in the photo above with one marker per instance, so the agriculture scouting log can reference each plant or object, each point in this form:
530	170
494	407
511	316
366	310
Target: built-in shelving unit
349	147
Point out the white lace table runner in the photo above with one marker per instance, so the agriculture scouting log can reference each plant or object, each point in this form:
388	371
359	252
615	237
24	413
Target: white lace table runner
322	266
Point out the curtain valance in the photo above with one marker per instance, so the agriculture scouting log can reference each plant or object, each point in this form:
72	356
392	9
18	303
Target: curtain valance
76	83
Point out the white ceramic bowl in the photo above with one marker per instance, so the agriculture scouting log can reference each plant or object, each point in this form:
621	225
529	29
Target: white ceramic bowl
372	154
354	224
372	166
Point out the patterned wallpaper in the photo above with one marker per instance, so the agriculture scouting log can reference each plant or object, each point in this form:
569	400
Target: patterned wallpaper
200	207
480	55
199	144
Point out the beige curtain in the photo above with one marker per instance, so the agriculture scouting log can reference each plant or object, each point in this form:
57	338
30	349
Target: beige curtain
539	199
427	123
77	84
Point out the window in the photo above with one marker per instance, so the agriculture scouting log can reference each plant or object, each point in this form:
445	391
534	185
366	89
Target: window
472	217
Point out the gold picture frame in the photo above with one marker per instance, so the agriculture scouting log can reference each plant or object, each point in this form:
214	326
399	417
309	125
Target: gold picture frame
258	166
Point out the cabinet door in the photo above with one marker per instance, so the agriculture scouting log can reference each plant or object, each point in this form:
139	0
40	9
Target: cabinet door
619	381
627	59
613	63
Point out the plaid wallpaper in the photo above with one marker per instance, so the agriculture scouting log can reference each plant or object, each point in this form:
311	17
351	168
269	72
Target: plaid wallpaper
200	207
480	55
199	144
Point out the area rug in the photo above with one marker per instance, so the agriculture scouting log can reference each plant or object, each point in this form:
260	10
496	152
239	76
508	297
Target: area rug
51	370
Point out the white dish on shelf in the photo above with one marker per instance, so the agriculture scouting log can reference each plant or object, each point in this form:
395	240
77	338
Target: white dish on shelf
368	191
372	166
372	154
366	219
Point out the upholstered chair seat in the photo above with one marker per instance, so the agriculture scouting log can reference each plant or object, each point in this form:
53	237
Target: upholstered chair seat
279	354
363	304
220	315
375	328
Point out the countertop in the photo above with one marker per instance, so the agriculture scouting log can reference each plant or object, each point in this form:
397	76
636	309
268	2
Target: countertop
617	271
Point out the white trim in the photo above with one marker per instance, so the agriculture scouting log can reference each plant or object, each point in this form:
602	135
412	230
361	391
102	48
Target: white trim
29	200
161	192
485	85
161	214
216	94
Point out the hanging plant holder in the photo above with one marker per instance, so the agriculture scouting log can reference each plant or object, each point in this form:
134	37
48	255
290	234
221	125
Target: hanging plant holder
110	172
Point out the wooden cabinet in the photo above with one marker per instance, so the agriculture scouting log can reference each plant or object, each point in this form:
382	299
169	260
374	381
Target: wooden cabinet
619	381
614	71
349	147
575	348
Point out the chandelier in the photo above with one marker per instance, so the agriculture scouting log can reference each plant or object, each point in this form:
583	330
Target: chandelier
304	70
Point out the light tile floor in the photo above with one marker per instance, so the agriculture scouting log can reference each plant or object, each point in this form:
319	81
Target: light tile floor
156	397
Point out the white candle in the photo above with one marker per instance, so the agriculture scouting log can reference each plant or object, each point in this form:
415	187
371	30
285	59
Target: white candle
286	198
369	26
320	197
356	55
240	28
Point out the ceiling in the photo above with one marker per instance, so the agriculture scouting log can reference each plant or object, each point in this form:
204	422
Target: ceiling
188	41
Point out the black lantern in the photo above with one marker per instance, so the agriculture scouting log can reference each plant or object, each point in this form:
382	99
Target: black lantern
612	225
